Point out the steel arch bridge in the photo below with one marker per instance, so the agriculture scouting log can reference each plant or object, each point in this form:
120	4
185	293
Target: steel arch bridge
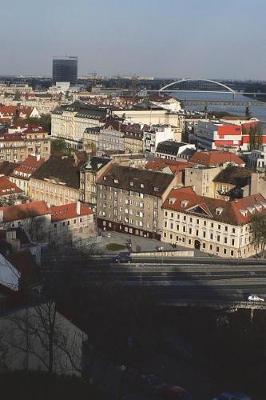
199	85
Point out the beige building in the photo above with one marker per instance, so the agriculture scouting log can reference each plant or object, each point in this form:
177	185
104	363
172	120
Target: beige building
152	116
201	178
217	227
56	181
70	122
71	223
89	173
16	147
23	171
130	199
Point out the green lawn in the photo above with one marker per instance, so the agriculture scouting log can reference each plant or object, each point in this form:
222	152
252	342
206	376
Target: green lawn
115	246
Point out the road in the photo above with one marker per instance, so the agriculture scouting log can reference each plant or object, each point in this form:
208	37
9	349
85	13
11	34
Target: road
179	281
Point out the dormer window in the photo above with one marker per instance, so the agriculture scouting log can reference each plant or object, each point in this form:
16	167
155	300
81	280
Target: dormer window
219	210
244	212
156	189
131	184
251	210
172	200
184	203
142	185
116	181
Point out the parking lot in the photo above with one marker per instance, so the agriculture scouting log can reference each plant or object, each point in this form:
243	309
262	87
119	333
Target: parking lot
138	244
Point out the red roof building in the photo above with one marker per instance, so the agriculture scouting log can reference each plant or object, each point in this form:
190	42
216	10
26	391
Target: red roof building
213	226
216	158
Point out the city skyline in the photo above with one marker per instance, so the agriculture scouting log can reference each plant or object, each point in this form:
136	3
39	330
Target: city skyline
124	38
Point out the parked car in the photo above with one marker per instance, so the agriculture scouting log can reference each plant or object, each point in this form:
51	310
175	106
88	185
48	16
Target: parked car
122	258
254	297
232	396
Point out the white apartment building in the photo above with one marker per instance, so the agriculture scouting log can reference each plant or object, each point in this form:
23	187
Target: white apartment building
156	134
213	226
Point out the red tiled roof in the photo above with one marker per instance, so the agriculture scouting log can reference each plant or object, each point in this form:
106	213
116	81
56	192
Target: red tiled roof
29	165
159	164
237	212
23	211
68	211
210	158
7	187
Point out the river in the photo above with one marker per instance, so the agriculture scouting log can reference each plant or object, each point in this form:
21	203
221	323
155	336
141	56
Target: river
256	110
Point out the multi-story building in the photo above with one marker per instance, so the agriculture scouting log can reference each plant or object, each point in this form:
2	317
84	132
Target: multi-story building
70	122
156	134
151	115
172	150
232	182
16	147
10	193
214	226
56	181
23	171
66	224
65	69
200	178
71	223
133	136
256	159
130	199
34	218
216	158
103	140
213	135
90	171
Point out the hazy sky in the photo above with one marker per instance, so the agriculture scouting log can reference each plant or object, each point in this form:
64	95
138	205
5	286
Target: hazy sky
163	38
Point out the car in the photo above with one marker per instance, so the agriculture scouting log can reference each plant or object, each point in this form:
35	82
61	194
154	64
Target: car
232	396
254	297
122	258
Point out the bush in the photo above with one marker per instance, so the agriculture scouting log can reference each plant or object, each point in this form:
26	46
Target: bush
115	247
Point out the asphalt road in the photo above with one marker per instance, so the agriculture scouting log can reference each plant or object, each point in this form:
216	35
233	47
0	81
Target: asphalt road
186	281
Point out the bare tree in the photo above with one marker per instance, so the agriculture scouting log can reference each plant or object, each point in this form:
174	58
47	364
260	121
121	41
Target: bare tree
43	338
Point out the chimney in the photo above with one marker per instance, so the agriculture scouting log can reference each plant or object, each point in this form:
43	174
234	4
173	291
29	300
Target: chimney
78	207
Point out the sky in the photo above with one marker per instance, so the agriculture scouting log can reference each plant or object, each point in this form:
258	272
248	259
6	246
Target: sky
162	38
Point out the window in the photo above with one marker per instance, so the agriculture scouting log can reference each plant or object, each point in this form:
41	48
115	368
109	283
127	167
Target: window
184	218
217	249
165	224
212	225
218	238
211	236
233	230
172	215
210	246
226	228
225	240
171	226
225	251
197	221
165	213
190	219
197	232
184	229
233	242
190	231
204	223
171	236
203	245
204	234
232	252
